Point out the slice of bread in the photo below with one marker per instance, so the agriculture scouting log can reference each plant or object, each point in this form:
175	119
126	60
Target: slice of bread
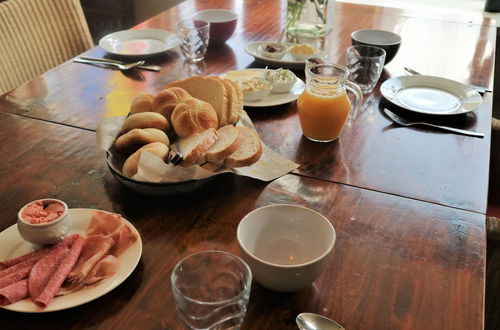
229	140
207	89
249	150
194	146
236	108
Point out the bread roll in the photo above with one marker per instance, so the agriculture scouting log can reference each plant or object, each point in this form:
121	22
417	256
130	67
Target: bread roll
249	151
138	137
208	89
193	116
132	163
142	103
145	120
165	101
194	146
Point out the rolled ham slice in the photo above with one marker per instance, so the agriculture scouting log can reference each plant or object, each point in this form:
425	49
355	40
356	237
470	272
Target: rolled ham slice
95	248
66	265
14	292
106	268
103	223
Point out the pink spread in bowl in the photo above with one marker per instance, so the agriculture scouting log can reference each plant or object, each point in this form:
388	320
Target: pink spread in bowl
42	211
44	221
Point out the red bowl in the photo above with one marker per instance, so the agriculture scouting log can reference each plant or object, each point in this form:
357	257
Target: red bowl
222	23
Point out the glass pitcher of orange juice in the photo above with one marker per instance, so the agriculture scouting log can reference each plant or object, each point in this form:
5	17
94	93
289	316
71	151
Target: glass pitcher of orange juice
324	107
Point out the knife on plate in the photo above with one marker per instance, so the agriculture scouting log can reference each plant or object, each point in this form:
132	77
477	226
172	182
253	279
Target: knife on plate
99	60
480	89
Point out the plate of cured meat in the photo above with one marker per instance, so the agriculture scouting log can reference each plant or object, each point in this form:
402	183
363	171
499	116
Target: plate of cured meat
102	248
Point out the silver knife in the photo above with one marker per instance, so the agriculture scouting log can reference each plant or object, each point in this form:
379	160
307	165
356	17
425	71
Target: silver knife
480	89
107	60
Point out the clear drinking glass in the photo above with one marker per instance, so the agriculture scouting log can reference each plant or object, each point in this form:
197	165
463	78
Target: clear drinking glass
193	37
365	64
211	290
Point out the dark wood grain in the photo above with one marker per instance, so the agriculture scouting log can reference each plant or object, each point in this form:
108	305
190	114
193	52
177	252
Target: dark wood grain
397	263
373	153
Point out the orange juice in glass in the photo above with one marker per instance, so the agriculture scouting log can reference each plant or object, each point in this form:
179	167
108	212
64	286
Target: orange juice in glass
324	107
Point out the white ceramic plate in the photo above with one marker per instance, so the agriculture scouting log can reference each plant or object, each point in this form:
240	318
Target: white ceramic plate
139	42
287	61
276	98
12	245
430	95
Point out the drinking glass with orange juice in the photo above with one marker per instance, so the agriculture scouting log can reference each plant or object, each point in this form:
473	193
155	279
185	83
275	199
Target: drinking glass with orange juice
324	107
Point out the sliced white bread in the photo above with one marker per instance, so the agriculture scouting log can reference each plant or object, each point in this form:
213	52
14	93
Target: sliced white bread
249	150
233	108
236	101
229	140
194	146
210	90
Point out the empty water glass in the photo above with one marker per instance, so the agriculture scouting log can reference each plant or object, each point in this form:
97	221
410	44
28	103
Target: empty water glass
193	37
365	64
212	290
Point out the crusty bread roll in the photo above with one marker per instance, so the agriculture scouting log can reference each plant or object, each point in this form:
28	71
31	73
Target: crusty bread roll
142	103
193	116
165	101
138	137
145	120
132	163
248	152
208	89
194	146
229	140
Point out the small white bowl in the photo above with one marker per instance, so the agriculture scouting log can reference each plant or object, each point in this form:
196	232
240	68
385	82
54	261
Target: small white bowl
275	55
282	87
302	57
286	246
47	232
252	96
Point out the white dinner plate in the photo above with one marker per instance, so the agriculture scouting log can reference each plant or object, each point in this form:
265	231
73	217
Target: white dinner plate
430	95
141	42
12	245
276	98
287	61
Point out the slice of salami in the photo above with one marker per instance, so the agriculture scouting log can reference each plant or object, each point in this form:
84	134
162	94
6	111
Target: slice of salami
14	292
13	269
34	255
20	274
43	270
62	271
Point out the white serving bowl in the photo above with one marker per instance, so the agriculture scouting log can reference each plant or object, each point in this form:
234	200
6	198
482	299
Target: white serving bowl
281	87
286	246
222	23
48	232
275	55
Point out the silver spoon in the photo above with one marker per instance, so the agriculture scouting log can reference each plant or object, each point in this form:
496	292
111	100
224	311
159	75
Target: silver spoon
311	321
405	122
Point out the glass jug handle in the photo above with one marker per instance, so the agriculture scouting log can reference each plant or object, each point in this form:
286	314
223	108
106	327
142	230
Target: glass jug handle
358	94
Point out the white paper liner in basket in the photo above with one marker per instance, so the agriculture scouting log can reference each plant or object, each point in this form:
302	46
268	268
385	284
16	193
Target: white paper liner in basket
153	169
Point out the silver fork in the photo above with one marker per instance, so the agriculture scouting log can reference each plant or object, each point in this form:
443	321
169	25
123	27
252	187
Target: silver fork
406	122
107	60
116	65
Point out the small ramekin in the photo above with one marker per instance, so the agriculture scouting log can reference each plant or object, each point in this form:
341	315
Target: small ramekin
48	232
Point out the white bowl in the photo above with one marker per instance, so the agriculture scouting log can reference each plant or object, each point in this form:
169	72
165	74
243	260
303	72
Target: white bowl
281	87
47	232
286	246
222	23
275	55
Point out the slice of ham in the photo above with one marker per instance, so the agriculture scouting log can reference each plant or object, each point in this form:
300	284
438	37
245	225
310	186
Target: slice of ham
14	292
95	248
64	268
103	223
104	269
123	237
14	277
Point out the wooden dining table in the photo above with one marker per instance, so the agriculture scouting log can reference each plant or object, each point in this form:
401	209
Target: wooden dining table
408	204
